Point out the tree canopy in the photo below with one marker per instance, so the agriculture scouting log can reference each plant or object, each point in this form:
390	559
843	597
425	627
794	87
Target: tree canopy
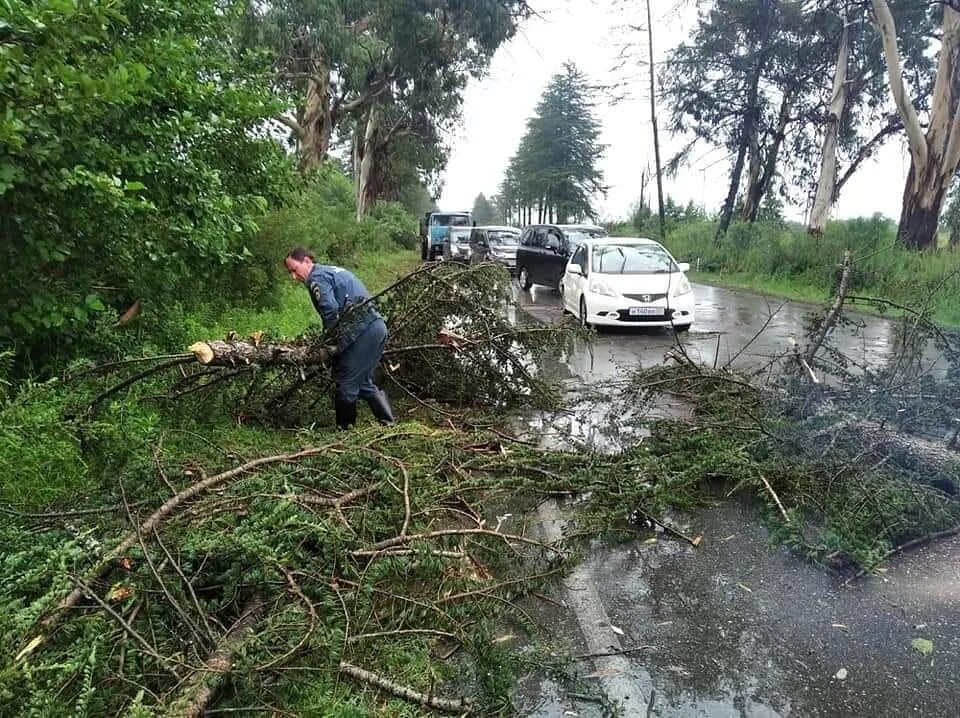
555	167
483	210
133	159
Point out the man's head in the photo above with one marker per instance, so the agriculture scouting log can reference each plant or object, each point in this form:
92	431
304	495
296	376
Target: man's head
299	262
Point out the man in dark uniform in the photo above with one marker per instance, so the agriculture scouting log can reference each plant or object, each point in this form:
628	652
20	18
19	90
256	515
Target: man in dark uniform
359	334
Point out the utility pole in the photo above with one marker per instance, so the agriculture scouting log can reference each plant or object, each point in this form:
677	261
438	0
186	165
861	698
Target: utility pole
653	119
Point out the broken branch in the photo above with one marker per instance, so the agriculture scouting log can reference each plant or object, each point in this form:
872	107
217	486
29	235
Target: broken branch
461	706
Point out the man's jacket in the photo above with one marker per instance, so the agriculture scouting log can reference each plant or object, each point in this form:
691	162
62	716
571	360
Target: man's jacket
337	295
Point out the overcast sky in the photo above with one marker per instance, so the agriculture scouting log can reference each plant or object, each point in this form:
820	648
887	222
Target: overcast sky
497	107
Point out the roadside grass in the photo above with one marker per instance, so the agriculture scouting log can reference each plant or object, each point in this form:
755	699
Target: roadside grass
783	287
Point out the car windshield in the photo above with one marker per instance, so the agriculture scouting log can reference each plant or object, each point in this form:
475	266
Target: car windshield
503	237
632	259
451	220
459	235
580	236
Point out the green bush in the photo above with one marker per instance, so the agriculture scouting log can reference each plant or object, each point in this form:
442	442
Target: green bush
133	165
399	227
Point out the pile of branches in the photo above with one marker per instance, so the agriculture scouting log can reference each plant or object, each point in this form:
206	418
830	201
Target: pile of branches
456	337
359	559
855	461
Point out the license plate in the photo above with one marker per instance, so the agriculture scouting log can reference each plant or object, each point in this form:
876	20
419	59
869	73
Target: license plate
645	311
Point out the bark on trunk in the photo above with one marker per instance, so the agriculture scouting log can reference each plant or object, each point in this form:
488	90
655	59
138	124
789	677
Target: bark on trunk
368	152
827	185
753	172
758	189
727	213
242	353
317	122
908	449
920	216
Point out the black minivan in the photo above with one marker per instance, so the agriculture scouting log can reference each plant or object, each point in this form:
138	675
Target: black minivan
545	250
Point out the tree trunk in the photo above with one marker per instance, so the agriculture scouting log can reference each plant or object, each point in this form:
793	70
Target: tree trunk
827	185
727	213
934	155
754	167
366	194
920	216
242	353
758	190
317	121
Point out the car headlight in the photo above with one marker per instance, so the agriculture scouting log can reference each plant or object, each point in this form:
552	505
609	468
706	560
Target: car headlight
598	287
683	287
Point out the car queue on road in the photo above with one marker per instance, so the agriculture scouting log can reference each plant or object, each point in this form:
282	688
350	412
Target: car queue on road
602	280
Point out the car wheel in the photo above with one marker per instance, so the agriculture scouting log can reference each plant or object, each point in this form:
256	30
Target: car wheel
523	279
583	312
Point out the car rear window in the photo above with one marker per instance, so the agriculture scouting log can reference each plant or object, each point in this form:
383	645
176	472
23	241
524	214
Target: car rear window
503	237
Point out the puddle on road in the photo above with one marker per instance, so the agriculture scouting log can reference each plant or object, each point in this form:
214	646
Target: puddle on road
597	418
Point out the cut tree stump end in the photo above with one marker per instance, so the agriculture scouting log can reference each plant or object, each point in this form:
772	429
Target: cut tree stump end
202	351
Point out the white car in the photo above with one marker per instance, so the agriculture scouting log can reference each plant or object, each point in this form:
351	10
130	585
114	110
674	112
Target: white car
627	282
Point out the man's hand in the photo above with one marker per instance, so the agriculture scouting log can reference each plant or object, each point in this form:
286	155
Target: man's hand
327	353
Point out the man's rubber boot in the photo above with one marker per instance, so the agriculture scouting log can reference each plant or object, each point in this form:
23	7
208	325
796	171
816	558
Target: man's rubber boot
346	413
380	406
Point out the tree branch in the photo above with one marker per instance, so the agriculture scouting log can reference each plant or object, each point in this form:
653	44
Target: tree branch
888	34
292	124
460	706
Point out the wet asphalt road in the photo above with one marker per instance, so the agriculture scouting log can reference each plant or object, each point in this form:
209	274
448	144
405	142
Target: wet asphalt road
737	626
734	318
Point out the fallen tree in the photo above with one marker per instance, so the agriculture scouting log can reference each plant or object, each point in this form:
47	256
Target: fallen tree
363	554
456	337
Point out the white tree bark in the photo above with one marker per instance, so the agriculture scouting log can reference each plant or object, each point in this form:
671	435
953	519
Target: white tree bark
317	124
888	35
367	159
827	186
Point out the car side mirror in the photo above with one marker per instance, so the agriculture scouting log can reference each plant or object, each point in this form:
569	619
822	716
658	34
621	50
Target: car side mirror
575	269
683	266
